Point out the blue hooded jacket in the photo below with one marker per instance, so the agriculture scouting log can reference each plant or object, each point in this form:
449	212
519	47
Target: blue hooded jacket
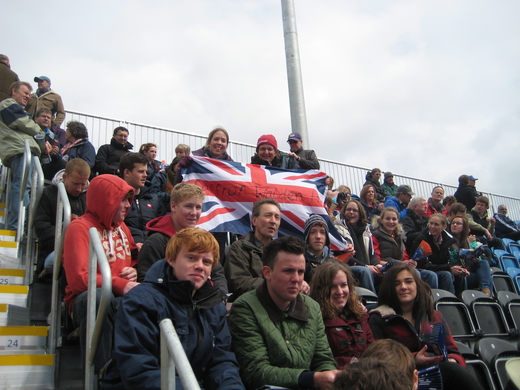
200	322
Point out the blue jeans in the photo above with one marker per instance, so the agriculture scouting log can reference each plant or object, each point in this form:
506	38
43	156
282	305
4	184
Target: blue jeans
364	277
79	315
49	260
429	277
16	184
446	281
480	276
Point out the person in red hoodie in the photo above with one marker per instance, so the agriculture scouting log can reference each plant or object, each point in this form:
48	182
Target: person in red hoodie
108	201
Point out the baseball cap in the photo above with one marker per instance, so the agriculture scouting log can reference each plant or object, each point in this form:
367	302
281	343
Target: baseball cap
42	78
405	189
294	137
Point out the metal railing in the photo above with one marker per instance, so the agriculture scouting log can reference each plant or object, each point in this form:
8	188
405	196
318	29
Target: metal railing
26	172
100	132
174	357
36	194
63	217
95	321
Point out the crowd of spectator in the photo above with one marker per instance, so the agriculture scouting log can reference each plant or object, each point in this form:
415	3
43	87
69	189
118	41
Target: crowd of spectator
295	317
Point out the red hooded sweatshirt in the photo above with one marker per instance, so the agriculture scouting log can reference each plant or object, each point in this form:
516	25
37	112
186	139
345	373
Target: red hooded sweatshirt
104	195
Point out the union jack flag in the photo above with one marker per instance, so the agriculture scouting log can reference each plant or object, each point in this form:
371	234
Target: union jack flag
232	189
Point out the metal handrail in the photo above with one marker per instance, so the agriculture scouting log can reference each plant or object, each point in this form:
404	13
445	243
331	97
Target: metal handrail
36	194
26	168
6	192
63	217
100	132
95	323
173	356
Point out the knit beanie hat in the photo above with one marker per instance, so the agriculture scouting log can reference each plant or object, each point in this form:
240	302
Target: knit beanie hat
267	139
313	220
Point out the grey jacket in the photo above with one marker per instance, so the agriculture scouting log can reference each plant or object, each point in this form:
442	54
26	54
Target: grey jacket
307	159
16	126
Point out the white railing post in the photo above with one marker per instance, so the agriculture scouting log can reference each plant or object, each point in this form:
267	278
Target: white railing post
36	194
63	217
173	356
25	176
95	322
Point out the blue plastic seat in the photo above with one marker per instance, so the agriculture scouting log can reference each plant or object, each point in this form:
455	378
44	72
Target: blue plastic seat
506	242
515	250
508	261
500	252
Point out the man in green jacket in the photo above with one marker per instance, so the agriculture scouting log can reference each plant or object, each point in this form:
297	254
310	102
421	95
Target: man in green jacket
278	334
16	126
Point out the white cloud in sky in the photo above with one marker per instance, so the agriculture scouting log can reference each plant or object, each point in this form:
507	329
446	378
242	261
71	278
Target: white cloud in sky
427	89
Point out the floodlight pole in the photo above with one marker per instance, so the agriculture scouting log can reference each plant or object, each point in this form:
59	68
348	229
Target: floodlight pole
294	73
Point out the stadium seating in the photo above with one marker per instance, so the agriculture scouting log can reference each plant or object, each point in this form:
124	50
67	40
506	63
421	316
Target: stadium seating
514	273
508	261
476	366
495	353
510	303
455	313
368	298
502	281
487	314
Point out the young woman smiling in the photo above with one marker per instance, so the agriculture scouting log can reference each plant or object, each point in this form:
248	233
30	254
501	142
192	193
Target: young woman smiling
405	314
368	200
479	271
388	238
346	323
216	145
352	224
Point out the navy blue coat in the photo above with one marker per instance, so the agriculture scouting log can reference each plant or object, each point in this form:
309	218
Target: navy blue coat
145	207
84	150
200	322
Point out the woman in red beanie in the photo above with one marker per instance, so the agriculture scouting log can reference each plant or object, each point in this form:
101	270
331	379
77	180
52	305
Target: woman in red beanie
267	153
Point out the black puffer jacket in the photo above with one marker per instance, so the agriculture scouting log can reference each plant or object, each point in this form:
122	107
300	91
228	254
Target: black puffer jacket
145	207
467	195
108	156
440	259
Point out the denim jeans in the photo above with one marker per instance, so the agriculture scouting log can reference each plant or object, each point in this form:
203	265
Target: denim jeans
16	184
79	315
446	281
429	277
364	277
480	276
49	260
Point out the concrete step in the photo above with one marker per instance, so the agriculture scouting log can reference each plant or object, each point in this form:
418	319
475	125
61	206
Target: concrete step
8	248
7	235
14	295
15	340
26	372
11	315
9	277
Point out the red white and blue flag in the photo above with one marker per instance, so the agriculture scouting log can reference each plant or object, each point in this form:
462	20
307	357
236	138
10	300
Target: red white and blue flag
232	189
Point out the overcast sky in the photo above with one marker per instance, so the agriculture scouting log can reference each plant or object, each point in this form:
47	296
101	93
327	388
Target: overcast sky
429	89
